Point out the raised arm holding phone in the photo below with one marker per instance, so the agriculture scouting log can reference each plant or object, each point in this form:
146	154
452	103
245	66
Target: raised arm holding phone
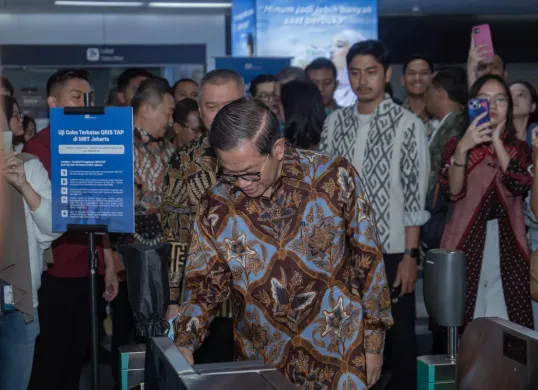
482	58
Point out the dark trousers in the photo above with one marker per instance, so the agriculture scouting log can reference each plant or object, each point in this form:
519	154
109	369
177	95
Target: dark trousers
401	344
219	344
439	339
65	334
122	328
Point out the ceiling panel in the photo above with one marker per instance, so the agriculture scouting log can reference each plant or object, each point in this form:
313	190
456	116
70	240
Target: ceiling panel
386	7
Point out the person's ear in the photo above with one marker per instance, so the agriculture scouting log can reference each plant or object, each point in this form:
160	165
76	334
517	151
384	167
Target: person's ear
145	110
533	107
279	149
441	93
121	97
388	75
177	128
52	102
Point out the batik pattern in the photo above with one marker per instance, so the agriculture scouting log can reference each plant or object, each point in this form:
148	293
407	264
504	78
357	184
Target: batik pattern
303	268
151	158
191	171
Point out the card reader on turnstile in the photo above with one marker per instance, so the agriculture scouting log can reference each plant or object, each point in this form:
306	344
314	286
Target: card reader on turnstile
167	369
445	299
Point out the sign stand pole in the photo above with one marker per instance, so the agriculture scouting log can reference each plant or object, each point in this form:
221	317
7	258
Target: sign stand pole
92	230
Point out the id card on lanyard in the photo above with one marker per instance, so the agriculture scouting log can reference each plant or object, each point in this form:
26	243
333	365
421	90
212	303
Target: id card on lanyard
6	297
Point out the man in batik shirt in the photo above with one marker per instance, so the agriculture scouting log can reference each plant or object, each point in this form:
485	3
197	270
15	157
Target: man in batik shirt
290	237
191	172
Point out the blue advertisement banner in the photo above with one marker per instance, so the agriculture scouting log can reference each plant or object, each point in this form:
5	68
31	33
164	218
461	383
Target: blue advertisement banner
251	67
305	30
244	28
92	169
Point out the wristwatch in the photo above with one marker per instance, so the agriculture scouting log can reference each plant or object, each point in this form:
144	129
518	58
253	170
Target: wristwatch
413	253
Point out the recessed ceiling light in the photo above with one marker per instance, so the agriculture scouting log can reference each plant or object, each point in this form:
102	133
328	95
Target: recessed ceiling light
159	4
99	3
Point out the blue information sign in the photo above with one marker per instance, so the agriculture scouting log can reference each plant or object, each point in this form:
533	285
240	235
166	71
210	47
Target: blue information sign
92	169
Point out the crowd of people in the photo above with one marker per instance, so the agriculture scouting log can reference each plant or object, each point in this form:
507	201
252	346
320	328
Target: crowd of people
297	226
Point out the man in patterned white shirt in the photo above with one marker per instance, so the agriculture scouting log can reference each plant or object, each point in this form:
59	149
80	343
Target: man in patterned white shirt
387	145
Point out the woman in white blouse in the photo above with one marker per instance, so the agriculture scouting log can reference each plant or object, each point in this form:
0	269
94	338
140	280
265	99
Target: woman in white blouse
28	186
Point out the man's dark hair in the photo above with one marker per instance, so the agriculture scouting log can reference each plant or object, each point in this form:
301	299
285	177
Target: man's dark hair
6	84
183	81
245	120
182	110
370	47
263	78
322	63
61	77
290	73
453	79
129	74
415	57
222	76
150	91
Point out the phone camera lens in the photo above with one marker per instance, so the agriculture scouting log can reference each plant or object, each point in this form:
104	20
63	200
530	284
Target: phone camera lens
476	30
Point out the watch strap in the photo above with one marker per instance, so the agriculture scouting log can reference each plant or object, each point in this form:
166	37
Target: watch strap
413	252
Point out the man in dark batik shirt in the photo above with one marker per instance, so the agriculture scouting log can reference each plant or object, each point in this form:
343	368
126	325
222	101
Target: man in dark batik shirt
290	237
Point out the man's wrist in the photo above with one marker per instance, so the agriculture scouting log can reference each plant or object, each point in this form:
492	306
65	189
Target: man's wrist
412	252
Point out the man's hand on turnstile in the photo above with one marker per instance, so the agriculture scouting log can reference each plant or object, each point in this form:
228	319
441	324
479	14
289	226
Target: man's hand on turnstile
374	363
188	355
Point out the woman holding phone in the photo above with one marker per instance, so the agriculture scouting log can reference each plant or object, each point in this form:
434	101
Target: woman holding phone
486	174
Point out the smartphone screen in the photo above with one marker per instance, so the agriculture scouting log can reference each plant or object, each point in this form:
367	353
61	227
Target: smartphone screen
482	37
476	108
8	141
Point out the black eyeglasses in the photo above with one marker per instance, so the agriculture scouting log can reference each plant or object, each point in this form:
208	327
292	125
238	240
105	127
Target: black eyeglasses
251	176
